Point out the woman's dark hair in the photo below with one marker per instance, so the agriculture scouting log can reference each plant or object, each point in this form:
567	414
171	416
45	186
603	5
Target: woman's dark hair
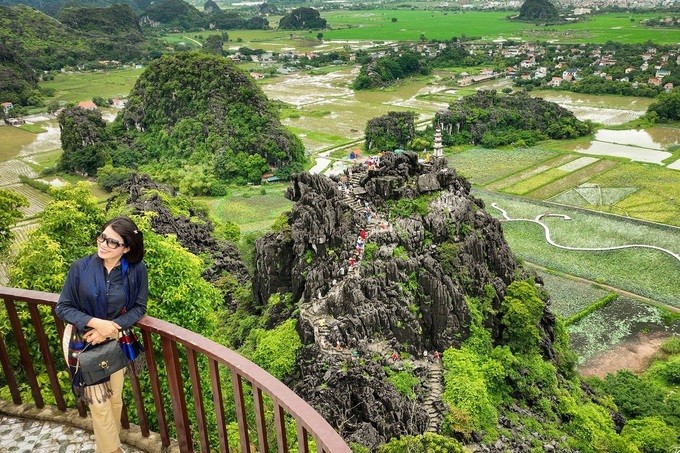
131	235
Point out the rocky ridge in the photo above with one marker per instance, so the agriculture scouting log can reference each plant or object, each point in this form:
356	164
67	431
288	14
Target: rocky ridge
378	263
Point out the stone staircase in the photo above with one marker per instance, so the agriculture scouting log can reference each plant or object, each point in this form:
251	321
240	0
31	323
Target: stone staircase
315	314
435	377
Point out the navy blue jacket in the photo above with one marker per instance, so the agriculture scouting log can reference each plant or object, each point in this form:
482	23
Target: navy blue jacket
83	296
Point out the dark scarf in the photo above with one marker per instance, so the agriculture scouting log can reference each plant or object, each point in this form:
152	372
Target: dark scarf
101	391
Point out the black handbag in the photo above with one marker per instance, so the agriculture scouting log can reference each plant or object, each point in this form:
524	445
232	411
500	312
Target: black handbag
100	361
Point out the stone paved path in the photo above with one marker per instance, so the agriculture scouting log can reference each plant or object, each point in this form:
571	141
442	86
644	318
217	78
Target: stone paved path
23	436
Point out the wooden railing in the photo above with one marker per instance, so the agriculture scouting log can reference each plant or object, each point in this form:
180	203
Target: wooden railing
175	342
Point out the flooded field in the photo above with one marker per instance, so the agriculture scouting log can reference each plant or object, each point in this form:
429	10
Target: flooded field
638	145
622	320
607	110
329	109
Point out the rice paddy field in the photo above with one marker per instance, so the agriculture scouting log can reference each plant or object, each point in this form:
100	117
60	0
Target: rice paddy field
251	209
646	272
83	86
410	24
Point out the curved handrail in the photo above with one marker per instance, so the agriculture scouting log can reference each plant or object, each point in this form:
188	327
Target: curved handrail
307	419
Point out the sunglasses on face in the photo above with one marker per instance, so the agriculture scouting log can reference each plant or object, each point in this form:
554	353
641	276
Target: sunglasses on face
110	243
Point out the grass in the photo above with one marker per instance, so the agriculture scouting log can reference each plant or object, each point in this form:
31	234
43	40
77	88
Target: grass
568	297
378	25
657	198
482	165
572	179
529	172
36	129
248	208
641	271
83	86
11	141
535	182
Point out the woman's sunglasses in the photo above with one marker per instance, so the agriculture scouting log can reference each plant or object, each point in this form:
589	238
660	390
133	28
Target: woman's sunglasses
110	243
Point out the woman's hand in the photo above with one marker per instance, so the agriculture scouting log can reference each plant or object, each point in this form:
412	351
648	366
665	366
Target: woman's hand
105	328
94	337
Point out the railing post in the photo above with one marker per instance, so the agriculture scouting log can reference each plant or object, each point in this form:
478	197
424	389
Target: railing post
23	351
198	399
47	356
177	397
237	384
9	373
219	405
260	420
155	388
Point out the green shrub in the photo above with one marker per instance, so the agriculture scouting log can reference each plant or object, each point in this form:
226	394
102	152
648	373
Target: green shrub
465	388
404	382
424	443
671	346
633	396
277	349
650	435
522	311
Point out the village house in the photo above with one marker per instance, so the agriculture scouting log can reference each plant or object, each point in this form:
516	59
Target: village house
88	105
6	107
118	103
661	73
655	81
555	82
541	72
257	75
569	74
668	87
531	62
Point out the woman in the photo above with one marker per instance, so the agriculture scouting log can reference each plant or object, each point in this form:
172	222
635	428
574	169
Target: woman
104	293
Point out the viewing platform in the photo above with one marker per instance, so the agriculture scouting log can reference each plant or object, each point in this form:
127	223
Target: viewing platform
183	410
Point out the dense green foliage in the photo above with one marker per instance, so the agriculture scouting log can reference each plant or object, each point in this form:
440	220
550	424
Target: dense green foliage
388	69
10	202
302	19
53	7
84	139
17	79
491	120
196	118
176	13
424	443
179	15
666	108
115	20
389	132
44	43
538	10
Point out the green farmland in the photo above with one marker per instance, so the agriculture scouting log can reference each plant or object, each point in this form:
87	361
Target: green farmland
82	86
646	272
378	25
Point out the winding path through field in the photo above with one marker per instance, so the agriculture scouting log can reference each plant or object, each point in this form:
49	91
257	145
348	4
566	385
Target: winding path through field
537	219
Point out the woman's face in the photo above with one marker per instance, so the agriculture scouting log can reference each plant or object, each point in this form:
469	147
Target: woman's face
107	247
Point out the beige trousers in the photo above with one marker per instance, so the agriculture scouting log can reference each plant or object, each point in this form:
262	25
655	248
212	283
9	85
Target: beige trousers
106	415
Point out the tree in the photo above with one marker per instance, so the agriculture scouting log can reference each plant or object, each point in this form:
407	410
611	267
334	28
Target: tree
214	44
85	140
391	131
667	106
394	19
10	202
319	36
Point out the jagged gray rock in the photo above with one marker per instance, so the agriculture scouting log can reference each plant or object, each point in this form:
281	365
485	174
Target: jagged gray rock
429	245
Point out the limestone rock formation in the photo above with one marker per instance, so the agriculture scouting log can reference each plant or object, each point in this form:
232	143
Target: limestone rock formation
195	233
379	262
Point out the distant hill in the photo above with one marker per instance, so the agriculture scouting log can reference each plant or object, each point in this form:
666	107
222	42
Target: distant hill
117	19
302	19
175	13
54	7
538	10
17	78
192	108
